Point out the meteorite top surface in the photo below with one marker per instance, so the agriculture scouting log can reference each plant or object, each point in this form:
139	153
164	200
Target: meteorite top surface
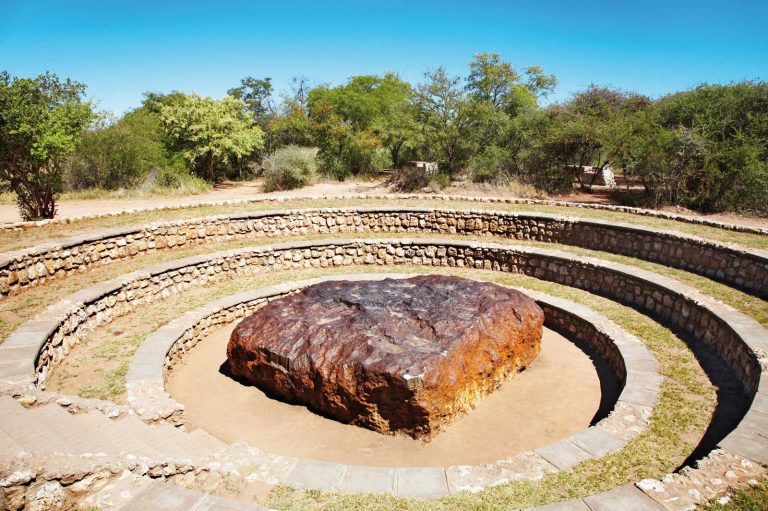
399	326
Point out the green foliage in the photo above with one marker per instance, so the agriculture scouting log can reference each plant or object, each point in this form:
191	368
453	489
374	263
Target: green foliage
290	167
445	113
41	121
706	148
352	121
210	133
293	127
256	94
122	154
498	82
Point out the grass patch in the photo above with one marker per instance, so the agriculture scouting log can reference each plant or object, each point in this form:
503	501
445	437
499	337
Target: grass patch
746	499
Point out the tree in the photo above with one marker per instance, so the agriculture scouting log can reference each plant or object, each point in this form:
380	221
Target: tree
209	132
398	131
491	79
257	96
350	120
121	154
706	148
584	132
291	126
41	121
300	87
445	114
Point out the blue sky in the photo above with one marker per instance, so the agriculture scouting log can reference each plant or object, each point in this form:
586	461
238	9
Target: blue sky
121	49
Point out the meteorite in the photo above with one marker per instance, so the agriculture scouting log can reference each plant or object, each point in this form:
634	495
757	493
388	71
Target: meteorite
395	355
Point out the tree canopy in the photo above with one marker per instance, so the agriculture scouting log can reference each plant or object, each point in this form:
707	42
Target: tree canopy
41	121
210	132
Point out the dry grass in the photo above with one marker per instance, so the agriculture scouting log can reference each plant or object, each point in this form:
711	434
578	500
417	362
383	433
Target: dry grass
20	239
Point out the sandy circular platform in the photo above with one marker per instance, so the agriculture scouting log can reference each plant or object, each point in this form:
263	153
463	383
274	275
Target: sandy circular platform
558	395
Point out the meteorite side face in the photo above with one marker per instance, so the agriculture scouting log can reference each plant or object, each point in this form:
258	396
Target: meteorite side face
396	355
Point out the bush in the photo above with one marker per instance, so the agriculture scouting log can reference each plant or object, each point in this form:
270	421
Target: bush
489	166
121	155
414	179
290	167
173	181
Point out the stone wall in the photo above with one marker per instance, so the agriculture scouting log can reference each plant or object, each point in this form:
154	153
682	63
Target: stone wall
696	220
664	299
737	267
739	340
626	355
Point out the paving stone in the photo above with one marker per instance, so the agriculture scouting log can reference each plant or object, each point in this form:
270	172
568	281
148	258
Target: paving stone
212	503
623	498
421	482
165	497
362	479
597	441
563	454
568	505
316	475
756	422
639	396
760	403
747	444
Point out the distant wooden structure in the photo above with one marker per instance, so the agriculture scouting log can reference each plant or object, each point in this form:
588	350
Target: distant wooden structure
588	175
428	167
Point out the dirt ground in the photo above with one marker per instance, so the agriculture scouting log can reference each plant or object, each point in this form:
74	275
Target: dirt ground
255	189
555	397
221	192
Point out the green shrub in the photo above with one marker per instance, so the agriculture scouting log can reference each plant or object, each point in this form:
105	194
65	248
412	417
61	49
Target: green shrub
489	166
122	155
290	167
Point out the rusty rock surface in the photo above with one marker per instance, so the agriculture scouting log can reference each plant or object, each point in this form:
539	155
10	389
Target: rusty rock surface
395	355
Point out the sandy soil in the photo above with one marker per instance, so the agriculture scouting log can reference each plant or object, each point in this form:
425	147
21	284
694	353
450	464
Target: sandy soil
224	191
254	190
555	397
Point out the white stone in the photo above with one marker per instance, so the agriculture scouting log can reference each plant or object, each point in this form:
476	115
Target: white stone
651	484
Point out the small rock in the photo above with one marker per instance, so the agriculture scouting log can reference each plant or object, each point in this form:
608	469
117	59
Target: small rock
27	400
724	500
651	484
17	478
64	402
50	496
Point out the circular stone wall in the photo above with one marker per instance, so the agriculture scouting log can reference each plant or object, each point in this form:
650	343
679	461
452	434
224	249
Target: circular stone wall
32	350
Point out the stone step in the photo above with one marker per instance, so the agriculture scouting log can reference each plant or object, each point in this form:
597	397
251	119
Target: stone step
124	435
115	495
26	431
78	437
164	496
163	440
8	446
191	447
208	440
159	496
